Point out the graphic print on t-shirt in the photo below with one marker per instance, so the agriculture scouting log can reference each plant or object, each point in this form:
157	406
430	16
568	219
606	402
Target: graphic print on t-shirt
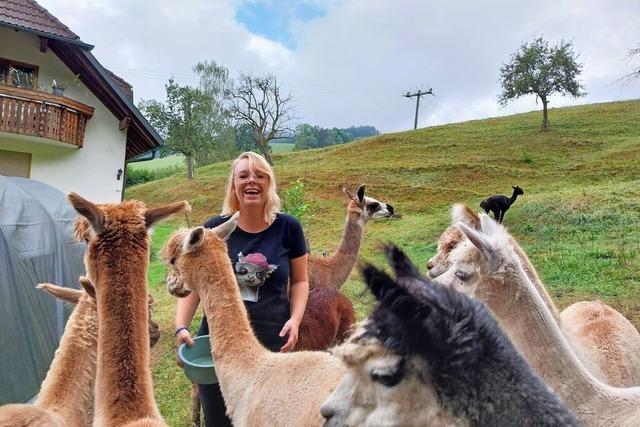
251	272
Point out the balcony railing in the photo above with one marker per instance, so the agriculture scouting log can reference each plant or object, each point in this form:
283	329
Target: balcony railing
34	113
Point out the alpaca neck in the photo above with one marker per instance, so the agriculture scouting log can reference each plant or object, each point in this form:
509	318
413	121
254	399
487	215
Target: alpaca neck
68	387
124	389
532	328
513	198
346	255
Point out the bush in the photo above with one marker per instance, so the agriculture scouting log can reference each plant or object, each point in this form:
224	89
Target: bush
140	176
293	202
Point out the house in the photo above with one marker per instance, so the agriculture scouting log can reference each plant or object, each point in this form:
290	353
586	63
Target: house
64	119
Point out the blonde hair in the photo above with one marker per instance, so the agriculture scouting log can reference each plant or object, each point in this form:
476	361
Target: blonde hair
231	205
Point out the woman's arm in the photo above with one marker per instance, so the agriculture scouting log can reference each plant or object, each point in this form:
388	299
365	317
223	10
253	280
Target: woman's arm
185	309
298	300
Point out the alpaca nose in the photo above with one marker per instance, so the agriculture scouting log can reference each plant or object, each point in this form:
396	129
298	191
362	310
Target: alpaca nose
327	412
430	264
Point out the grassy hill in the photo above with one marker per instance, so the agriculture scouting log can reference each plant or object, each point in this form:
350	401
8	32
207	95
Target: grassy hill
579	219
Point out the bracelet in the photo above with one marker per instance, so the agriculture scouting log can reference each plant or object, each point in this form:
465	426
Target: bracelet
180	329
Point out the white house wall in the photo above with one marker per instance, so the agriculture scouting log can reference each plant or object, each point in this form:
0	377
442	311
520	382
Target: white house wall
90	171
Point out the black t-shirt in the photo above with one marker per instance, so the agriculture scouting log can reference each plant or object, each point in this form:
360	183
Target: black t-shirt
261	264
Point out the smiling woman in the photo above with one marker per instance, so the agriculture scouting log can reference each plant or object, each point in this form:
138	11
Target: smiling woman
268	251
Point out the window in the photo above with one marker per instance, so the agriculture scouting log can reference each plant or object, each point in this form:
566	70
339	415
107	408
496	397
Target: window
13	163
17	74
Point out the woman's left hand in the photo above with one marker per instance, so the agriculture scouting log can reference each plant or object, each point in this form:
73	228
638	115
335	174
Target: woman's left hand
290	328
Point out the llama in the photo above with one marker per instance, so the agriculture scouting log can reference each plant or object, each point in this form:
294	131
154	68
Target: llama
333	271
604	340
435	358
117	259
499	205
296	384
66	394
487	266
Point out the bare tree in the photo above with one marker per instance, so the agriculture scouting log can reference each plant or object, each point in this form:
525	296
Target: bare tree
635	74
258	102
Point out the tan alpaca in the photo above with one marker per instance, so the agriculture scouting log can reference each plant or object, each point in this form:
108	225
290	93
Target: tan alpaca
487	266
117	259
333	271
66	393
604	340
260	388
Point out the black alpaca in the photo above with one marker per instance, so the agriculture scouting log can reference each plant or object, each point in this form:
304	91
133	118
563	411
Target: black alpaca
499	204
475	370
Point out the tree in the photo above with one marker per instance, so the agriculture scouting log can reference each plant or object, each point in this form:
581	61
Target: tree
193	121
635	74
258	102
540	69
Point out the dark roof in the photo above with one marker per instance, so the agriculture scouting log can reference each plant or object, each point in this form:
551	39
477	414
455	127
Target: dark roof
114	92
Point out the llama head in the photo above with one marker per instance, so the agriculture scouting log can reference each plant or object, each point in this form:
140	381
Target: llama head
517	190
483	255
451	237
365	208
116	233
193	253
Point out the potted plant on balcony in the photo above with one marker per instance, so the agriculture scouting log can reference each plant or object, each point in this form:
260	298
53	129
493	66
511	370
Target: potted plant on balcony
58	87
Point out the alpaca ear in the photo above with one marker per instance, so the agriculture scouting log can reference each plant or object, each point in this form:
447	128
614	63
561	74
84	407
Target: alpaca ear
152	216
480	241
401	264
464	214
69	295
90	211
348	193
225	229
360	193
194	239
87	286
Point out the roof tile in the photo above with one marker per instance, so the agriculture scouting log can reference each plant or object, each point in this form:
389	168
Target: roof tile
30	15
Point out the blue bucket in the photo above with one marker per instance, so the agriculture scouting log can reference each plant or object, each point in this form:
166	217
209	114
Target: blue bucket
198	362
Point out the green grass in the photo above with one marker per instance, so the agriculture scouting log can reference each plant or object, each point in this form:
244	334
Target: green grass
579	219
164	162
281	147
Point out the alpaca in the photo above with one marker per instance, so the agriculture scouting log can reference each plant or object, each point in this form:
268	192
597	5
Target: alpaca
434	357
333	271
117	259
499	205
486	265
602	338
259	387
66	394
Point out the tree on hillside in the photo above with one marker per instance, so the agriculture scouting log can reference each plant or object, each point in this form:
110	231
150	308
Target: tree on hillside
259	102
540	69
193	121
635	74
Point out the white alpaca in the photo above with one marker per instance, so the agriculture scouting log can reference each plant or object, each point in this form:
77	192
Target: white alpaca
487	266
260	388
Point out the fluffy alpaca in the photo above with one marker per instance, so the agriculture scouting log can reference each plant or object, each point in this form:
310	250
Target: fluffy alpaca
486	265
499	205
260	388
429	355
604	340
328	318
66	394
333	271
117	259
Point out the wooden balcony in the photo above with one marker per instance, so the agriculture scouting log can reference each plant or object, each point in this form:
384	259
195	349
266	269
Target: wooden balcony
40	114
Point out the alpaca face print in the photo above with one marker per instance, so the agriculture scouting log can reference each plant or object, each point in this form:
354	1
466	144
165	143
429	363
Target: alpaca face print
251	272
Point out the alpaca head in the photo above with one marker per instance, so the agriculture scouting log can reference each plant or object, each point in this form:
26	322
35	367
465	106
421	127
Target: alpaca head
483	255
366	208
517	190
116	233
451	237
193	254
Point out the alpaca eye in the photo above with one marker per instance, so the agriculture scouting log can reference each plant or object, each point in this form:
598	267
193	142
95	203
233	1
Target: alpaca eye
374	206
388	380
462	275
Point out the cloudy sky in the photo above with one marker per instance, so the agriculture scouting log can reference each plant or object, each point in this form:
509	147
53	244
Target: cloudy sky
348	62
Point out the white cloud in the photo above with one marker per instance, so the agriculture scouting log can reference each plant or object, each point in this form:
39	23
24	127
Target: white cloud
273	54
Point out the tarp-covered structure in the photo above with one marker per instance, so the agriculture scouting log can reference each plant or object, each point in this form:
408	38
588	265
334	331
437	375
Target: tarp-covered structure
36	246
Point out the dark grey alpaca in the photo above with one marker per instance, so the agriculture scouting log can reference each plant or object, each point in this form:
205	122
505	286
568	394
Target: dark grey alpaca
474	369
499	204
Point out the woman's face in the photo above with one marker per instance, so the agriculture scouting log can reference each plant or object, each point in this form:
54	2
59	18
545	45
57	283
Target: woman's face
250	185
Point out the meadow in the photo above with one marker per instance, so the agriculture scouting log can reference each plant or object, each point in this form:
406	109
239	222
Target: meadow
579	219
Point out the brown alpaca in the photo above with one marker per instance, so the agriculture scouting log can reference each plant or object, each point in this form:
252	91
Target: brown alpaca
260	388
117	260
328	318
66	394
333	271
602	338
487	266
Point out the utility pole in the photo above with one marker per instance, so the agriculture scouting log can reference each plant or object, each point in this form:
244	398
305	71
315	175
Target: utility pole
418	94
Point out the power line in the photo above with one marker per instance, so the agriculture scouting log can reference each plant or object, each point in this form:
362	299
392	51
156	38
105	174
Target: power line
418	94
